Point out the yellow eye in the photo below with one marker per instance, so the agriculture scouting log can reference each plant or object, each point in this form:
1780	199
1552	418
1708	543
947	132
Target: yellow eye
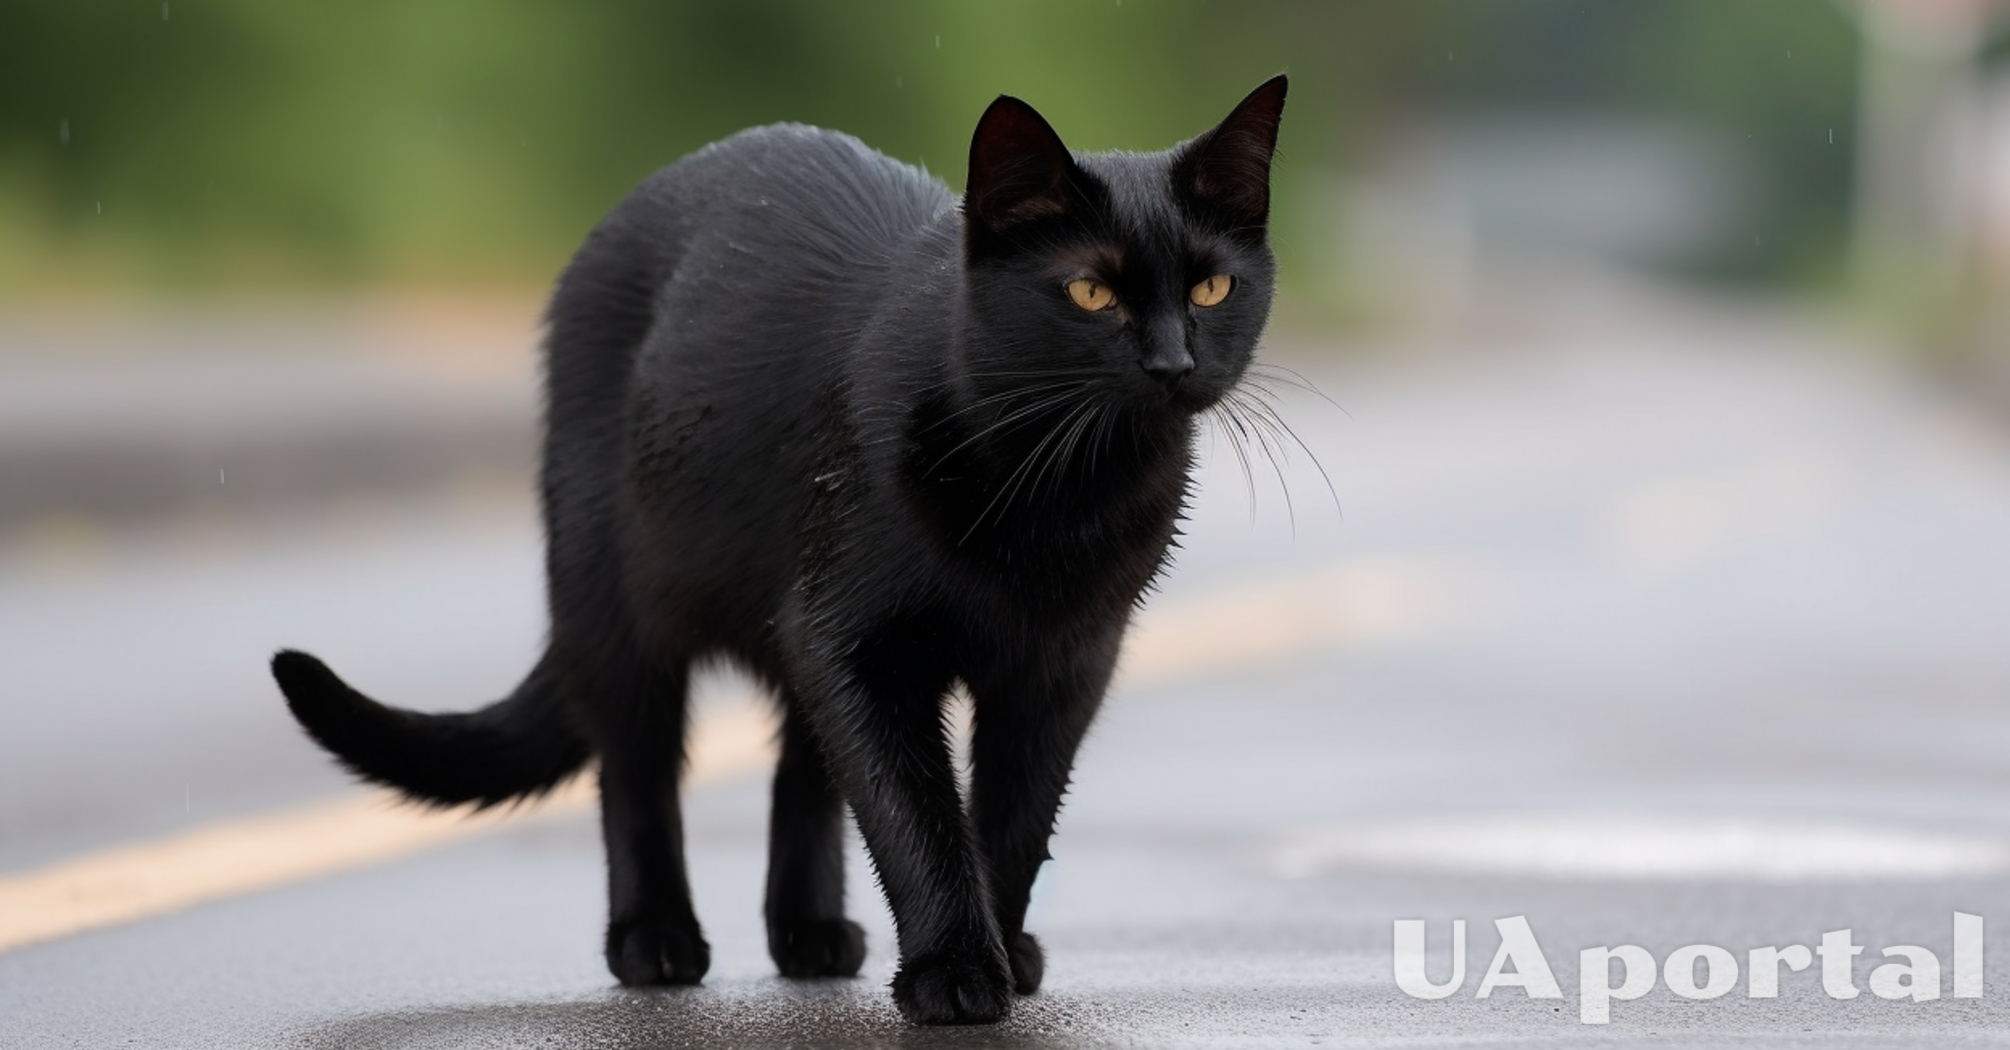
1091	295
1211	291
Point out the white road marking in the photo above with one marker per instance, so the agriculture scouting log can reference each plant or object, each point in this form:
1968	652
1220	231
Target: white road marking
1645	846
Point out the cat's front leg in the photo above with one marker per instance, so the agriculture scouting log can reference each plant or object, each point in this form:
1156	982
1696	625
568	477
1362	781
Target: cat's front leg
880	724
1029	724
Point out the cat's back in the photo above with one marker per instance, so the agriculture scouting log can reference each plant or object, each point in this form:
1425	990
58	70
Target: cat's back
778	247
768	232
785	199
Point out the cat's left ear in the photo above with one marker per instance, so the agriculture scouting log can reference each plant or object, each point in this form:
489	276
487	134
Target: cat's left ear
1227	170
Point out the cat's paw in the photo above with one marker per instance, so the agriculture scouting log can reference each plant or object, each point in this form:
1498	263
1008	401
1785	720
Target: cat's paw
818	948
1029	963
644	954
953	989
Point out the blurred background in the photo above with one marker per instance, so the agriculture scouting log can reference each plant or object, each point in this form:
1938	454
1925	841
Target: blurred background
1673	340
227	147
416	174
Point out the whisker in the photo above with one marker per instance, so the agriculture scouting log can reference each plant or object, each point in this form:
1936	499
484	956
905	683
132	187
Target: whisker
1054	463
1228	425
1270	371
1007	420
1009	487
1279	428
1066	455
1273	453
1003	396
975	377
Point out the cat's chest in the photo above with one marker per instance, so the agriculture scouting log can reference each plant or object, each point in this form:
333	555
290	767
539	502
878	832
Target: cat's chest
1064	573
1072	526
902	516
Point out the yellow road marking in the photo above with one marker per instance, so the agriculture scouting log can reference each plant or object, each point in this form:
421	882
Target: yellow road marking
1359	603
240	856
1375	602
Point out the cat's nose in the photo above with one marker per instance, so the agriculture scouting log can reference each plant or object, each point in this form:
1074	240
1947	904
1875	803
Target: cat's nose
1168	367
1167	359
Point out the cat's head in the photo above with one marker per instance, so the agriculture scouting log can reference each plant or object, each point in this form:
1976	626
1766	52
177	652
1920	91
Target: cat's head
1148	276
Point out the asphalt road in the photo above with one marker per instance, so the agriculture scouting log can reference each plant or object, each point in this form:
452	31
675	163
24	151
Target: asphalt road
1682	625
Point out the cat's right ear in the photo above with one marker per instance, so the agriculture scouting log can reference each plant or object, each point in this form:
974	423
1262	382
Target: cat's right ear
1019	169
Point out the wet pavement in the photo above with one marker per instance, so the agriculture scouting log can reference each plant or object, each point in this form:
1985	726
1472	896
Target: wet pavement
1712	654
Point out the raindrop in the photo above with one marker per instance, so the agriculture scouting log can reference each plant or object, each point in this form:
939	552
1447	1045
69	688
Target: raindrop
164	12
896	82
440	122
1832	136
63	131
101	207
219	475
938	41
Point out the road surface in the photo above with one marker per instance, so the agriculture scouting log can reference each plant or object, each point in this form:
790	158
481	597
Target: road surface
1659	624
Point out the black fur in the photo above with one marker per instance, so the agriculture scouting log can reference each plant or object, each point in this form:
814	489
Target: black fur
807	414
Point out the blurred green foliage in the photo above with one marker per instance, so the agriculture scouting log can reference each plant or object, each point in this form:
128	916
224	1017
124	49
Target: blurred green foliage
232	143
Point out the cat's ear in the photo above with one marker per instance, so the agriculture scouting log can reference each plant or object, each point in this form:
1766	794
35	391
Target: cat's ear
1019	169
1226	171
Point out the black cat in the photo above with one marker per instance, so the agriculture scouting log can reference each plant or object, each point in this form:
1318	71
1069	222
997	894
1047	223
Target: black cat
807	414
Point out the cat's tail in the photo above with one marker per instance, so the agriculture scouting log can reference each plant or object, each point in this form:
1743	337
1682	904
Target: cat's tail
520	745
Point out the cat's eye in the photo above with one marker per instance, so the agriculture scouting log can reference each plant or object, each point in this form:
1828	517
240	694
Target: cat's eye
1211	291
1091	295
